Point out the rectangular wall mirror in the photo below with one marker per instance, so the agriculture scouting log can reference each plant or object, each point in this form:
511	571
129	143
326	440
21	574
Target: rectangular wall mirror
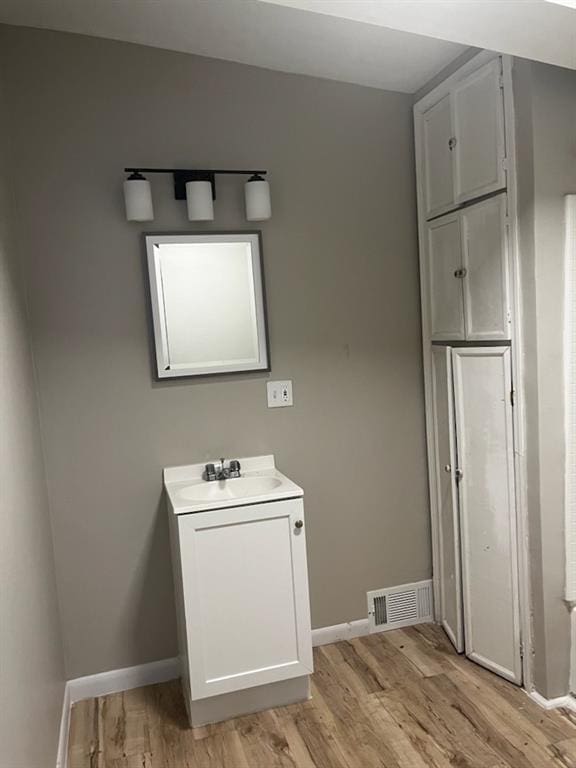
208	303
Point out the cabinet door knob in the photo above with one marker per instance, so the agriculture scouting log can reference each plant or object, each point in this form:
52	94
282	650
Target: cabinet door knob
299	523
447	468
451	143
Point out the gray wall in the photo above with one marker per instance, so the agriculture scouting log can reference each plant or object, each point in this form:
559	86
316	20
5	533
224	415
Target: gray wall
31	665
341	270
546	134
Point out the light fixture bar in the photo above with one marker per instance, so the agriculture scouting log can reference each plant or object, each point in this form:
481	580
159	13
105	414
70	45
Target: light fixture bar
214	171
183	175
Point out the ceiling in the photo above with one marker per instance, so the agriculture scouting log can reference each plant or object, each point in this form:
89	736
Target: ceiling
252	32
543	30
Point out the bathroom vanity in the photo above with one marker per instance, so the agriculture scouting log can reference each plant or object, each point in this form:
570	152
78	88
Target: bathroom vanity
241	583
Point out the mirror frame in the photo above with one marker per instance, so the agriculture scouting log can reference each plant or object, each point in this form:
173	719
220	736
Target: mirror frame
160	342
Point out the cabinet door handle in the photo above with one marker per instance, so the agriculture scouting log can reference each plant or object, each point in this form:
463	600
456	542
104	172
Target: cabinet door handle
299	524
451	143
460	272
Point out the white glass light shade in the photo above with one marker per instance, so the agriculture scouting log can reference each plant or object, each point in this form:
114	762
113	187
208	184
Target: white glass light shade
138	199
199	200
257	194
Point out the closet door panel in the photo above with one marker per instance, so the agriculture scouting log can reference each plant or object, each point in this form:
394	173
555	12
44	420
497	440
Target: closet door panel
485	259
482	385
446	497
445	296
438	181
478	119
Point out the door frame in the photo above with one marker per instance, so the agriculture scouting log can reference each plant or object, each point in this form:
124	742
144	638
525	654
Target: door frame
517	336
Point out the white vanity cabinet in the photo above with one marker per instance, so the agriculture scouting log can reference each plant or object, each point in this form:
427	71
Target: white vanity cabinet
461	141
466	273
242	598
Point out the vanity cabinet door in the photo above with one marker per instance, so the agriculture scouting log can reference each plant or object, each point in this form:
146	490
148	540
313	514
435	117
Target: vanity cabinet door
478	120
246	602
444	261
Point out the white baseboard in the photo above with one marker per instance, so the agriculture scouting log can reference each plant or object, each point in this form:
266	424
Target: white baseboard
62	754
562	701
125	679
338	632
104	683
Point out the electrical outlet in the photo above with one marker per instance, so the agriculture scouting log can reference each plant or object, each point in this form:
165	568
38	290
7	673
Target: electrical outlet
279	393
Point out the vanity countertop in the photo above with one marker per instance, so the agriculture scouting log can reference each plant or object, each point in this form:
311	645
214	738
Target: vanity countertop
260	482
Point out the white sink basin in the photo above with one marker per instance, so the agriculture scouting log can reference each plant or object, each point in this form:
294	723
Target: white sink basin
260	482
235	488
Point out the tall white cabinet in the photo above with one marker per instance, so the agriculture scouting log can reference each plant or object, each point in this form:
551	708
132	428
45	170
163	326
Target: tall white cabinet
468	323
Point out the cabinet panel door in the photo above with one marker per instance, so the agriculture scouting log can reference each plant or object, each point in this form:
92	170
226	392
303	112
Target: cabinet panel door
246	597
482	384
436	134
478	119
446	497
485	260
445	296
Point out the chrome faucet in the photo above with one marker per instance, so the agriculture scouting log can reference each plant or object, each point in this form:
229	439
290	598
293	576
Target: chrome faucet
222	472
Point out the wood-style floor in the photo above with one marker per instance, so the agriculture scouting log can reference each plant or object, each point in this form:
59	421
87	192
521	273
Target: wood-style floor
402	699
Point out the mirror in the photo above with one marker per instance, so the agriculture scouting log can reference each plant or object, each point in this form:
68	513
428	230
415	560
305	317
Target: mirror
208	306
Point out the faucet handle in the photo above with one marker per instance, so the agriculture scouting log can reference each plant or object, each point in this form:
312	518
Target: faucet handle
210	472
234	468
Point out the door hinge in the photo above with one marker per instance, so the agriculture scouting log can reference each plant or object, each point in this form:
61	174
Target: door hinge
501	82
521	649
512	397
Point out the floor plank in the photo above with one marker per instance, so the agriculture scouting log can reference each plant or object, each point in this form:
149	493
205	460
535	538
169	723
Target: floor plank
401	699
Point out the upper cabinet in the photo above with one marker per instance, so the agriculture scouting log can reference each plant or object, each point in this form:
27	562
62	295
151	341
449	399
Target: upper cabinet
466	274
462	147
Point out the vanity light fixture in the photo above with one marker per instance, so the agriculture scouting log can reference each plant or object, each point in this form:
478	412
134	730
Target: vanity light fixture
198	188
138	198
257	194
199	201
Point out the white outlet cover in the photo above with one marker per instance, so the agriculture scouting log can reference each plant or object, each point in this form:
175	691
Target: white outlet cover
279	393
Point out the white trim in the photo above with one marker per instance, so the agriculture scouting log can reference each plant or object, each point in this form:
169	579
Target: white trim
339	632
359	628
117	680
562	701
62	754
570	392
518	379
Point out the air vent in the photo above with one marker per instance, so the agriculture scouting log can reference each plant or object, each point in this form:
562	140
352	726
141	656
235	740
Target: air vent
400	606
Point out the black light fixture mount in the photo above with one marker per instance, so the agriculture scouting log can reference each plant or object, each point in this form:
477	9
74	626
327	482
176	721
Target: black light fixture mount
183	175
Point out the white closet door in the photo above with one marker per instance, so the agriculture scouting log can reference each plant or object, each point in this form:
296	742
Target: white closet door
482	386
486	263
478	120
446	497
445	295
438	182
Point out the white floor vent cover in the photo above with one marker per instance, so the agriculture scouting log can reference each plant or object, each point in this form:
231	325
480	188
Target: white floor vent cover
400	606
